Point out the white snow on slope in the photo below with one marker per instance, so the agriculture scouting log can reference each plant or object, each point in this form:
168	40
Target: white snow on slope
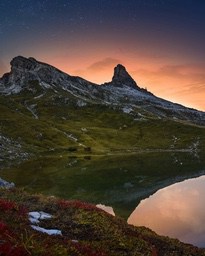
35	217
47	231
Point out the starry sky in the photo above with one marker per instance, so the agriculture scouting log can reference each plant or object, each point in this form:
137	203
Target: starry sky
161	42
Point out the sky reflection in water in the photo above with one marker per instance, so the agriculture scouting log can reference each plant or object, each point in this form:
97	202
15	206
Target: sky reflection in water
177	211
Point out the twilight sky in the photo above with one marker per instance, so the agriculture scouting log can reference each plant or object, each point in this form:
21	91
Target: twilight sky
161	42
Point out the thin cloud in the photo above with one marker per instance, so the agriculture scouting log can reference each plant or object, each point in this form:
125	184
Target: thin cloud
183	83
193	88
103	64
180	71
189	70
188	78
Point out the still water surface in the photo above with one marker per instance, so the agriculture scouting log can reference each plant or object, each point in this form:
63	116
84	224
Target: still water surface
177	211
122	182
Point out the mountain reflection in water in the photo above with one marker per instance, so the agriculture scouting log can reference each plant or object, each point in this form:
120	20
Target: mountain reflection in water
118	181
177	211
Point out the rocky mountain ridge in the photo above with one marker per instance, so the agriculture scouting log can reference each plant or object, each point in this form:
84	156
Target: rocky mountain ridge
122	91
25	70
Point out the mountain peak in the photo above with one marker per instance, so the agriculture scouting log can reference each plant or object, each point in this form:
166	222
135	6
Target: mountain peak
20	62
121	76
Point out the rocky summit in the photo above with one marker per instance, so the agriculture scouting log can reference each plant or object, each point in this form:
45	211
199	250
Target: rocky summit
121	77
22	63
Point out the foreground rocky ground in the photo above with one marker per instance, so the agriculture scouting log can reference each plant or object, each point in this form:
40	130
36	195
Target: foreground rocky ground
77	228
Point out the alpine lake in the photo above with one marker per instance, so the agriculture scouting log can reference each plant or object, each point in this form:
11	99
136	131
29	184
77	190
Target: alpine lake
164	191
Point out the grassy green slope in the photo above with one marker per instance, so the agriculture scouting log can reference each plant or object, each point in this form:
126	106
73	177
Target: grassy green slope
64	126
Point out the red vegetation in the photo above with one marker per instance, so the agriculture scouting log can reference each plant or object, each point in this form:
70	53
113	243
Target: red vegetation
86	250
7	243
63	204
3	228
8	249
6	205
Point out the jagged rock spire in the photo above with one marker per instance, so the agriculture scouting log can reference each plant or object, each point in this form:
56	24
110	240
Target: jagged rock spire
122	77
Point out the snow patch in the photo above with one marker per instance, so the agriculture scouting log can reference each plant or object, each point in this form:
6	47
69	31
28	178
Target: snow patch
47	231
35	217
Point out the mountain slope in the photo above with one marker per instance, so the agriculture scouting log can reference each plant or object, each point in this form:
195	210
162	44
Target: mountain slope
46	110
